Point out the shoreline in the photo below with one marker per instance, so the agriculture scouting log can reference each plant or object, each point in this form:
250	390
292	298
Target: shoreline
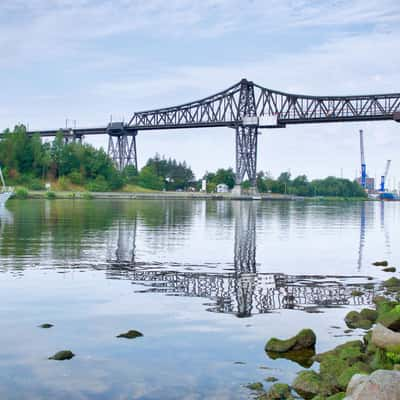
179	195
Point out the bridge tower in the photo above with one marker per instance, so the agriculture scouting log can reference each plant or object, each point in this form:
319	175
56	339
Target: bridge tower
121	145
245	256
246	137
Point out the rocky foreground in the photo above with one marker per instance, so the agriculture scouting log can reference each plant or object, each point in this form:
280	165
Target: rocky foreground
367	369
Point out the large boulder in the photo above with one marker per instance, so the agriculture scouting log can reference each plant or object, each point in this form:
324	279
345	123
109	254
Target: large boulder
380	385
385	338
305	339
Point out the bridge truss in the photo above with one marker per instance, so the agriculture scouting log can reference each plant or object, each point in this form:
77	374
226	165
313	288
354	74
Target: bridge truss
245	107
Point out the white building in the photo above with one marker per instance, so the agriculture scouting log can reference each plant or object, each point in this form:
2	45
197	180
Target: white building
222	188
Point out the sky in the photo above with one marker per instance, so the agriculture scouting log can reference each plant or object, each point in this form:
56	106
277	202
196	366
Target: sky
86	60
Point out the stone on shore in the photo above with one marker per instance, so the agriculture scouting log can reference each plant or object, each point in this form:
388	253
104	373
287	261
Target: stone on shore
307	384
380	263
62	355
46	326
389	269
380	385
385	338
278	391
393	282
132	334
391	319
305	339
356	320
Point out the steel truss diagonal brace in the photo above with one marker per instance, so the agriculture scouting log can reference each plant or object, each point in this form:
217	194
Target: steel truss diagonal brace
122	150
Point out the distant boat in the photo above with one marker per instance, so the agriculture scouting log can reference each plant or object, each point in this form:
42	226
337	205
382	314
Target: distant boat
6	192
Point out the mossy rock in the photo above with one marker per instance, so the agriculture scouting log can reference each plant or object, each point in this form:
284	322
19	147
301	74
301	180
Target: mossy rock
380	360
302	357
383	304
305	339
307	384
355	320
389	269
62	355
343	350
369	314
357	293
393	282
256	386
380	263
46	326
391	319
132	334
279	391
357	368
271	379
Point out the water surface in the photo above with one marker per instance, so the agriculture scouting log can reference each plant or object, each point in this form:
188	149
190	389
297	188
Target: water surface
207	282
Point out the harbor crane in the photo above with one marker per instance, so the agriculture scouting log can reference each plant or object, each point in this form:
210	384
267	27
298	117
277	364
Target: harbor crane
363	165
385	175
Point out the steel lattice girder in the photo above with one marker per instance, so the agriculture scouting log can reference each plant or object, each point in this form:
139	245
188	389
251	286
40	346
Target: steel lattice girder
223	109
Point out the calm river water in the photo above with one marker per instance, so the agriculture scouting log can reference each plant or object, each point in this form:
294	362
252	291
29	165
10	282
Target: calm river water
206	282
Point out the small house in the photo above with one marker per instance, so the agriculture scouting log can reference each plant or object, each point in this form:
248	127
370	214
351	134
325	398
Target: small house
222	188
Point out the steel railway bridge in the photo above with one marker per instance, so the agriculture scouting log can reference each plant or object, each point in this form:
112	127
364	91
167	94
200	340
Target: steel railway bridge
244	107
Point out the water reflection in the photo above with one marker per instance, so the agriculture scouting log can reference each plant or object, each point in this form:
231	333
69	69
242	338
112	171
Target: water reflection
244	291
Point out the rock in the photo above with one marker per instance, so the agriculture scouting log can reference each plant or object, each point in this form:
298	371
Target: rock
391	319
392	283
357	293
385	338
389	269
271	379
307	384
256	386
355	320
46	326
337	396
132	334
62	355
368	313
380	385
380	263
305	339
279	391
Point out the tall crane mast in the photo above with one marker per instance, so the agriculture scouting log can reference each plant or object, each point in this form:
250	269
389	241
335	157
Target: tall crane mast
363	165
385	175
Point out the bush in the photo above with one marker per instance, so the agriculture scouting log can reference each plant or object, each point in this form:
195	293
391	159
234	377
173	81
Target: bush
63	183
36	184
98	185
76	178
21	193
50	195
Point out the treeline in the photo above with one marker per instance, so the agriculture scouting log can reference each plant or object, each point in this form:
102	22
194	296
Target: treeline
28	161
284	184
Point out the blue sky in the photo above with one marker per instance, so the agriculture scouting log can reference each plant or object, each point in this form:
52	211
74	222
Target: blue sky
86	59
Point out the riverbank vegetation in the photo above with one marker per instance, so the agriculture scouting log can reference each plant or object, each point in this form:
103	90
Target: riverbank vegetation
30	163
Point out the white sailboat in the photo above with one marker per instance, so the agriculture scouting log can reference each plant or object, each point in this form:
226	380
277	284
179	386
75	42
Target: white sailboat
6	192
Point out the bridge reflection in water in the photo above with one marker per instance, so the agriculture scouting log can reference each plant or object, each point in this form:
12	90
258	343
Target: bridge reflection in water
244	291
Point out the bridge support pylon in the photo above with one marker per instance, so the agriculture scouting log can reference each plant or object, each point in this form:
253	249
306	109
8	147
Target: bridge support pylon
121	146
246	138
